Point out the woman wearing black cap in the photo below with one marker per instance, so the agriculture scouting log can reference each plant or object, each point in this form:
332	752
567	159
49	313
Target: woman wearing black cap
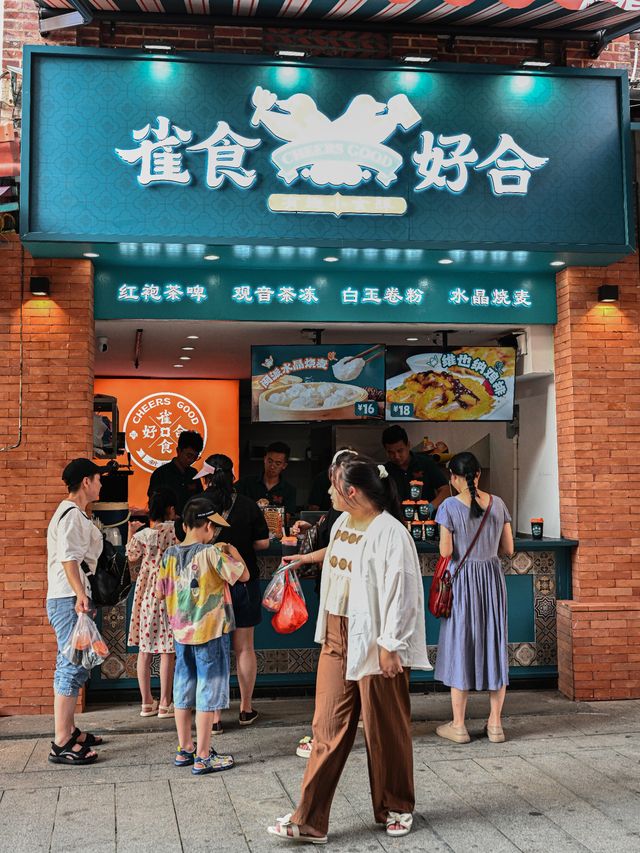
72	538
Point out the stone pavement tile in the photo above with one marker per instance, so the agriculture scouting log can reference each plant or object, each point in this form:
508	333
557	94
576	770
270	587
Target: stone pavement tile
57	775
455	822
85	820
586	824
118	750
256	803
26	820
206	817
511	814
14	754
146	819
607	796
622	769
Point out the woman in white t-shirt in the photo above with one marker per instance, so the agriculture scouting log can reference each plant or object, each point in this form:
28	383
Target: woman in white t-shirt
72	539
371	624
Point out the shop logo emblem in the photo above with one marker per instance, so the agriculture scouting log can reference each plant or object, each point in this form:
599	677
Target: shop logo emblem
347	151
153	425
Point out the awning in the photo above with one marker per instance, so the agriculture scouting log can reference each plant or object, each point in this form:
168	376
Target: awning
589	20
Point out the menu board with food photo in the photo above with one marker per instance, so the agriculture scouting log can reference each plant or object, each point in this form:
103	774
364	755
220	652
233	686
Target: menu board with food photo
474	383
317	382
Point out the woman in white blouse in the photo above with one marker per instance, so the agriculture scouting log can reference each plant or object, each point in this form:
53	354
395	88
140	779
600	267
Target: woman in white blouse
371	625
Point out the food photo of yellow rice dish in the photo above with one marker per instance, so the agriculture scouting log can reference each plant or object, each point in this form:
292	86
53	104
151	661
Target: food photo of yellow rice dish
443	396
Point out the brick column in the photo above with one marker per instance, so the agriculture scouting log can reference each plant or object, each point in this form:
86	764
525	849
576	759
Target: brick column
58	354
597	355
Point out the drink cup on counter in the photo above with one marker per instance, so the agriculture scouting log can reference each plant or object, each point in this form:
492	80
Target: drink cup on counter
423	510
430	531
417	528
289	545
415	489
537	527
408	510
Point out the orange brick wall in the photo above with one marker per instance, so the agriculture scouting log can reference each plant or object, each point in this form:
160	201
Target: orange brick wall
598	413
58	355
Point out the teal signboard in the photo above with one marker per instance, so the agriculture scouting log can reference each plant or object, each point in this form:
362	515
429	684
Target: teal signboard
122	146
274	296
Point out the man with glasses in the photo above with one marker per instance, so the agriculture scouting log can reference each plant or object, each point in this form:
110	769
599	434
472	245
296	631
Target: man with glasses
178	474
271	486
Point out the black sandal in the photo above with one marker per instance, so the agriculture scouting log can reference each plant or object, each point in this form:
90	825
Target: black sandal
89	738
67	755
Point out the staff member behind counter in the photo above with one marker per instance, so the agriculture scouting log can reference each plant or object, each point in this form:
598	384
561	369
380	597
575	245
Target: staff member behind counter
271	486
404	466
178	475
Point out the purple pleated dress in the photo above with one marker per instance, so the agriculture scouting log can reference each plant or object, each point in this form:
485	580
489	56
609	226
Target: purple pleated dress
472	649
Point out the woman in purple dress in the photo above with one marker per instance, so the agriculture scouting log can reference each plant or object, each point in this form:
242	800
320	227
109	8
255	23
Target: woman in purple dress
472	649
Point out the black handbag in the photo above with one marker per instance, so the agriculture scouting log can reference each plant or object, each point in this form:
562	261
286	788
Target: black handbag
111	582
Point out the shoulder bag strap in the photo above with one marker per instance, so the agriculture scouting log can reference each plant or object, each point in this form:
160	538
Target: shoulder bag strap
225	515
85	568
475	538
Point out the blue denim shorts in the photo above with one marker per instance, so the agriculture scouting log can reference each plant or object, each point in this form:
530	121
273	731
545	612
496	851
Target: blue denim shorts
68	677
201	679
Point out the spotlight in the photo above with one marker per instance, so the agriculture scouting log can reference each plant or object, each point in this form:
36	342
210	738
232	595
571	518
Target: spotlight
535	62
608	293
39	285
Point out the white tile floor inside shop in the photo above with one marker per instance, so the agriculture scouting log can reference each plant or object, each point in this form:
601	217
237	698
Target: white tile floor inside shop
567	779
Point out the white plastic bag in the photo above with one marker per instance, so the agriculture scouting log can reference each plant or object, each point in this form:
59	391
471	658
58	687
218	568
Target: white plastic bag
85	646
272	598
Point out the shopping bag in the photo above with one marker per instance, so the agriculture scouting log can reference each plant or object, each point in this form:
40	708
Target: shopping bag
85	646
293	611
272	598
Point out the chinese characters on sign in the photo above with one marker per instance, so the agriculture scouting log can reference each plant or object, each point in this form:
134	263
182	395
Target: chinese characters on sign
155	293
348	151
498	298
263	294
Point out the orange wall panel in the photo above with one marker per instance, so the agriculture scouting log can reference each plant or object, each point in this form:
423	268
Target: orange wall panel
158	409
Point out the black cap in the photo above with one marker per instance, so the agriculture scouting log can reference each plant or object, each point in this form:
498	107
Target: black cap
78	469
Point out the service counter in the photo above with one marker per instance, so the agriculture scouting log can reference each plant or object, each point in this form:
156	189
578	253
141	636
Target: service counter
537	575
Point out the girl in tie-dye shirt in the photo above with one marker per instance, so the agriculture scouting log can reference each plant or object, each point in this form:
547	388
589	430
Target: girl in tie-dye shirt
194	582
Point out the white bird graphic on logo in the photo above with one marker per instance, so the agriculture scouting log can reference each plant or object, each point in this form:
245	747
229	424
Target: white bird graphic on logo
345	151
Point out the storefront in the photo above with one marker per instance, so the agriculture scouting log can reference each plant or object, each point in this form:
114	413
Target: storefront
235	202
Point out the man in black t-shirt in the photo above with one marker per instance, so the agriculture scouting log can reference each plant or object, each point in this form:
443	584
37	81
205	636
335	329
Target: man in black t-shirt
271	485
404	465
178	474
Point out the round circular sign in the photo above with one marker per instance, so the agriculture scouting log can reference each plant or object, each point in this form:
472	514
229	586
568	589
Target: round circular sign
153	425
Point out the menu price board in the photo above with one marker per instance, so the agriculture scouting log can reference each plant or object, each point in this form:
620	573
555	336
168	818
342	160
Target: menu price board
317	382
474	383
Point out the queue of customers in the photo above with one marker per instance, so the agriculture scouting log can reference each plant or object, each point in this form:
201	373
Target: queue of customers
198	593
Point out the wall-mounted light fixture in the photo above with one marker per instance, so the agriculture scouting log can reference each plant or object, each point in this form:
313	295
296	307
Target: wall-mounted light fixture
417	60
39	285
535	62
291	54
608	293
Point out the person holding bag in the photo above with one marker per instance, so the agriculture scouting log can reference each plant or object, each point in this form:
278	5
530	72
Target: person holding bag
472	649
72	539
371	625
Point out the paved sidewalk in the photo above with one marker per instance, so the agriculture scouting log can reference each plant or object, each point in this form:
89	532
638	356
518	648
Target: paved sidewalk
568	779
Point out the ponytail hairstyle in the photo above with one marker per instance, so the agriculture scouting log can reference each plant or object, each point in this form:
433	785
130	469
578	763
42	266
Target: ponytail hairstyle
219	486
160	503
466	465
370	478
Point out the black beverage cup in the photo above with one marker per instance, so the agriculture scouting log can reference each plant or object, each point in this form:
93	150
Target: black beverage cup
537	527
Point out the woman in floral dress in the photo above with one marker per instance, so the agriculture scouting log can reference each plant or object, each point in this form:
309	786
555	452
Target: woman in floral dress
149	629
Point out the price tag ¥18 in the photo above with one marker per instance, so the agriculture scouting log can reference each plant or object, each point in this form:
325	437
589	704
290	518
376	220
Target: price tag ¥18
401	410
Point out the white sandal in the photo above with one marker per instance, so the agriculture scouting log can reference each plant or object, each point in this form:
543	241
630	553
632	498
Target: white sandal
281	829
166	711
404	821
305	747
149	710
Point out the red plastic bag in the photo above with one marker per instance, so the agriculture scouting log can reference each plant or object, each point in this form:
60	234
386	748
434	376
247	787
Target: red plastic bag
293	612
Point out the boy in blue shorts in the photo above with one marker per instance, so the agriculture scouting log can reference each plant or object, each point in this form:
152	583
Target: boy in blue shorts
194	581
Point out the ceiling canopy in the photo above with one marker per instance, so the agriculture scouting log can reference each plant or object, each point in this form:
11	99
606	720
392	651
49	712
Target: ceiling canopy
598	21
